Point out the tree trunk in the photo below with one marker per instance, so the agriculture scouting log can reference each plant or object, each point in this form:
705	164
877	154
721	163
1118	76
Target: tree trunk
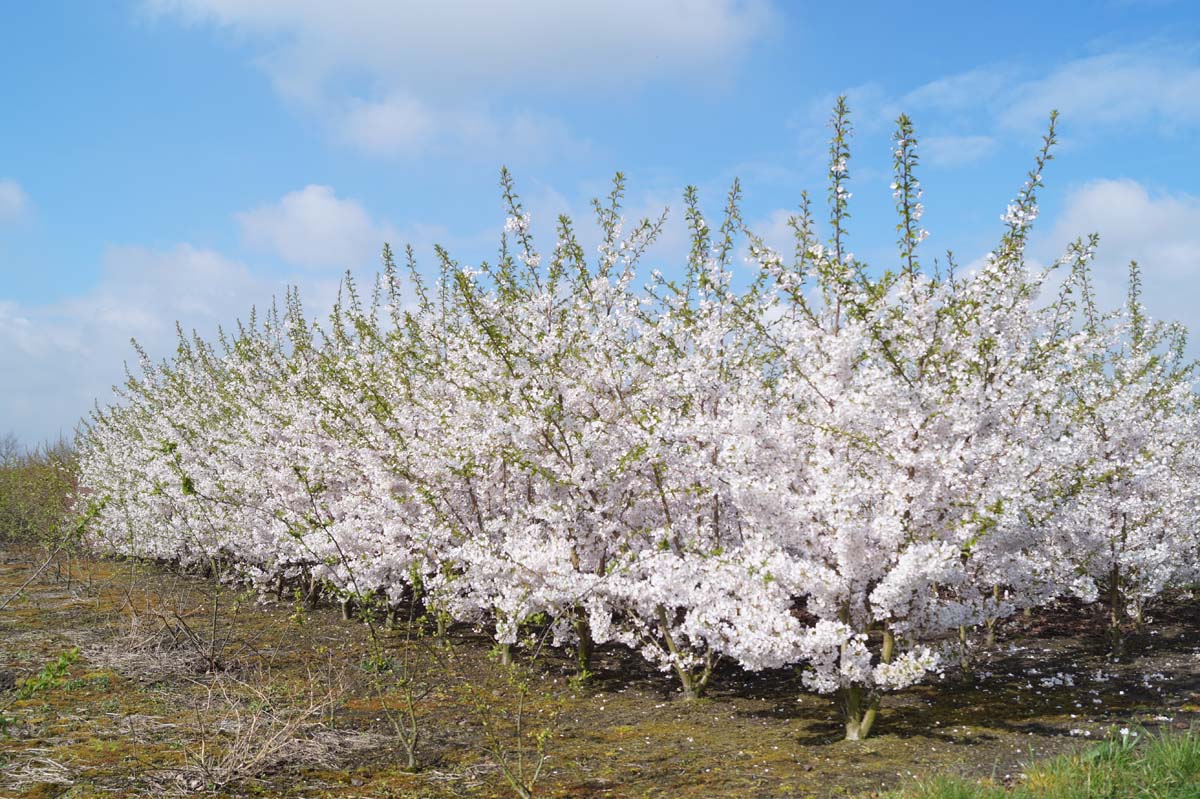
443	626
313	596
990	639
1116	612
859	712
692	687
584	647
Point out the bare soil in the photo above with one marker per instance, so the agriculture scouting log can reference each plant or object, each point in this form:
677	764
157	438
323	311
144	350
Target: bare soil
268	699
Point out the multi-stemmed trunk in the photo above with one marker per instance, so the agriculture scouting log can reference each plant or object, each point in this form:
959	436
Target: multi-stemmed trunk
860	705
859	710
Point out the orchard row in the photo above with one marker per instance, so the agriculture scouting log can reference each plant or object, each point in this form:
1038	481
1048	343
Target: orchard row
773	460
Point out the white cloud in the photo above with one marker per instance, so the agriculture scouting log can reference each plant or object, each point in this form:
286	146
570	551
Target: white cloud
433	72
961	118
1135	87
401	124
397	124
452	42
1160	231
965	91
59	357
13	200
313	228
1157	86
63	356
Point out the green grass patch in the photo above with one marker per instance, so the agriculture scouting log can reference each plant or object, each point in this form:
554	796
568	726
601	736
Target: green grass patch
1129	765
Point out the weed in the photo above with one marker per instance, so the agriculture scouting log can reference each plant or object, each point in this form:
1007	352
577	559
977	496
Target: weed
50	677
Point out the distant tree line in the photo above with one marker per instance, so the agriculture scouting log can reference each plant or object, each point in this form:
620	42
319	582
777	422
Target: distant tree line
36	488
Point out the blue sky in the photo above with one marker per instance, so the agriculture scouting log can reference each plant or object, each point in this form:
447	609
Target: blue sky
186	159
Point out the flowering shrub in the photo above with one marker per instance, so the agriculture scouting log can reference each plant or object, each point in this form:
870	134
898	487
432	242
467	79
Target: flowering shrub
810	463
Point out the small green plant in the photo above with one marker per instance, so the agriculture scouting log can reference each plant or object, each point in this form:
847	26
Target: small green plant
517	708
50	677
299	615
378	664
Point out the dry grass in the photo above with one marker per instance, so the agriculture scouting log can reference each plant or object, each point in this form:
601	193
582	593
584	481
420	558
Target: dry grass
247	727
